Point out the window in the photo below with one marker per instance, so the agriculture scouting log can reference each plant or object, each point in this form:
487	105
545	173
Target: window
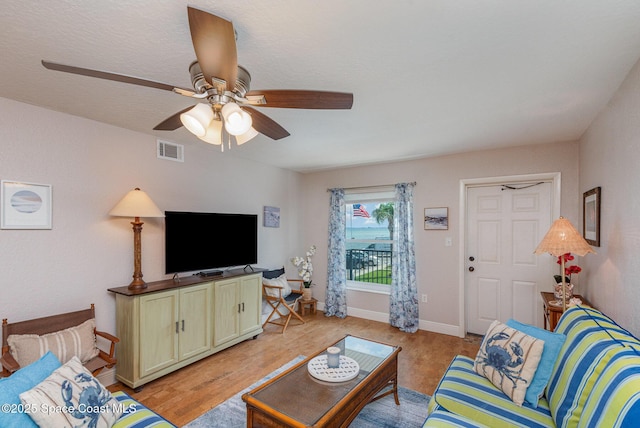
369	240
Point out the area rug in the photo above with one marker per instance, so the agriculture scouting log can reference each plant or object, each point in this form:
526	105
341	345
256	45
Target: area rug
383	413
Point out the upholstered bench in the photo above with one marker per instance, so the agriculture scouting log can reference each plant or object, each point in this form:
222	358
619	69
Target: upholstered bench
66	335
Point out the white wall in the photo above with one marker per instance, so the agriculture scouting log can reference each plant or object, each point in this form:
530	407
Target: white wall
438	181
91	166
610	158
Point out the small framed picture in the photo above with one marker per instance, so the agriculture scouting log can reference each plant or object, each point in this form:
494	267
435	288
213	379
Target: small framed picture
25	205
436	218
271	217
591	216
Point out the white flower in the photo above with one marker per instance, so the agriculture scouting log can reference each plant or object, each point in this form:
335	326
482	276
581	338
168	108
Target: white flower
304	265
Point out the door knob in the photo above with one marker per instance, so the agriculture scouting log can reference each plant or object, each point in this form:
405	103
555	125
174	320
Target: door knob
471	269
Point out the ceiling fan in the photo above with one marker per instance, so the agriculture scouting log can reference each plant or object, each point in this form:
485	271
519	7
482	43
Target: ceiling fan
222	88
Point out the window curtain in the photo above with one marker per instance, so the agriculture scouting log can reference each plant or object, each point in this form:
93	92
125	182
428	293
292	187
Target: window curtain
336	299
403	301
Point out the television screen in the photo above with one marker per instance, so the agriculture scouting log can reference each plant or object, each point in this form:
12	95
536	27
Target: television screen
201	241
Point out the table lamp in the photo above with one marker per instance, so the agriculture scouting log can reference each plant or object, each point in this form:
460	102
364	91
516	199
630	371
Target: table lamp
136	204
563	238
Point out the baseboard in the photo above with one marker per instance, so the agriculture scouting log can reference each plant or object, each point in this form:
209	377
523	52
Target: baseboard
434	327
107	376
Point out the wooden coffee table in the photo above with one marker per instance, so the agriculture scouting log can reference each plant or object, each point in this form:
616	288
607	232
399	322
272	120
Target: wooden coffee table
297	399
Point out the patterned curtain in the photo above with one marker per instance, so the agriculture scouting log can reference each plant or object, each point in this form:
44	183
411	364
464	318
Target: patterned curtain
336	299
403	301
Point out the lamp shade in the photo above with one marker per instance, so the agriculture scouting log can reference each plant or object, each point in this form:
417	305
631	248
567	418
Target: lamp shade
563	238
136	203
236	120
251	133
213	134
197	119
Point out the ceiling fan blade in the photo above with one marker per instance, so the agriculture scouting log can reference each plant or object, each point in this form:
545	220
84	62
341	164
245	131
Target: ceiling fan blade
291	98
109	76
214	42
265	125
171	123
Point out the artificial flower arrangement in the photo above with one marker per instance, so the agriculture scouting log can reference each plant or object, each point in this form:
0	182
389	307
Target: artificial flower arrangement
568	270
305	267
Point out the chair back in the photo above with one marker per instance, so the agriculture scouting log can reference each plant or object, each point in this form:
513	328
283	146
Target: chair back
45	325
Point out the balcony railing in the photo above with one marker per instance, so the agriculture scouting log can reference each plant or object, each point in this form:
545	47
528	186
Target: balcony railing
369	266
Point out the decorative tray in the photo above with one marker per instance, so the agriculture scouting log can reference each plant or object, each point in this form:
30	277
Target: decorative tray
318	368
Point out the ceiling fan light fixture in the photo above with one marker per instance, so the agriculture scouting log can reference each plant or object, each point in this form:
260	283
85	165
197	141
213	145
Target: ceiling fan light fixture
243	138
213	134
197	119
236	120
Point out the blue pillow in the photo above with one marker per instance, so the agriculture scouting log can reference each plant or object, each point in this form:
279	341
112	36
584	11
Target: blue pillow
552	344
23	380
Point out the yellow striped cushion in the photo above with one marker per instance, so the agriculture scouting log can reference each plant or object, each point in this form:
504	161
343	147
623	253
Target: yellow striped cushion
137	415
598	356
464	392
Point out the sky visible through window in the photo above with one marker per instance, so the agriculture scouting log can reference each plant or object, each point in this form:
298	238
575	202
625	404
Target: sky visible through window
359	226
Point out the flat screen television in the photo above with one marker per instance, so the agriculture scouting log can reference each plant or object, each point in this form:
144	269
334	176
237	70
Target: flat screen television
203	241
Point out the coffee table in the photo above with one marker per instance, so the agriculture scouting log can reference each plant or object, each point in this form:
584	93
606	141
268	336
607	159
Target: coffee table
297	399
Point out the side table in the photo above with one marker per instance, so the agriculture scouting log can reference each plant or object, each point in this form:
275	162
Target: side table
552	313
303	303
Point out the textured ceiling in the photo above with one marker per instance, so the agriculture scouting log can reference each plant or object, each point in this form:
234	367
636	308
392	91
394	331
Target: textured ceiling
428	77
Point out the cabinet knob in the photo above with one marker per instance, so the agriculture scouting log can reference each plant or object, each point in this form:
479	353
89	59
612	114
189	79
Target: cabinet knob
177	327
471	269
471	258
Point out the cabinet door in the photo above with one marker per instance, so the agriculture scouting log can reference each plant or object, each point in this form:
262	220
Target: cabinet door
227	308
195	320
158	331
250	302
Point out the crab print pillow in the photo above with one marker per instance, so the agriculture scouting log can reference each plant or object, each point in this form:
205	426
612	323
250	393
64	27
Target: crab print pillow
509	359
71	397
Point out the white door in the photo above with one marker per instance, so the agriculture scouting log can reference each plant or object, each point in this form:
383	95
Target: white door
503	277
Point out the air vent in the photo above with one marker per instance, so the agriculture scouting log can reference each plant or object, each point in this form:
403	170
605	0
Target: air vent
170	151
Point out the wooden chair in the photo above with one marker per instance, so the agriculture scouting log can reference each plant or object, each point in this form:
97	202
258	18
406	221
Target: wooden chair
53	324
273	294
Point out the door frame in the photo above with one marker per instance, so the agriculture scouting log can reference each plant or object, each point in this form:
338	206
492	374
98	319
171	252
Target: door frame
554	178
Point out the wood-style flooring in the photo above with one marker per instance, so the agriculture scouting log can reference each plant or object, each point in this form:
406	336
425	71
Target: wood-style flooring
191	391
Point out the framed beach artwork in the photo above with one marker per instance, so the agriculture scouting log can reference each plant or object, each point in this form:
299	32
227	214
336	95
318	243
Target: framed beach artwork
271	217
25	205
436	218
591	216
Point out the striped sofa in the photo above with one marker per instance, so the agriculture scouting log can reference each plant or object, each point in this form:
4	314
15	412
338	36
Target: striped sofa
137	415
595	383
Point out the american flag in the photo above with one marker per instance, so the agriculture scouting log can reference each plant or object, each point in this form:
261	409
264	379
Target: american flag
360	211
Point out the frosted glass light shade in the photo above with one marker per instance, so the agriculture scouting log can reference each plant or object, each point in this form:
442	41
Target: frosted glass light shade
136	203
251	133
197	119
236	120
213	134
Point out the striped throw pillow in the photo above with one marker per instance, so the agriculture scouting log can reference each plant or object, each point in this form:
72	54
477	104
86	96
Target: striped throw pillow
77	341
509	359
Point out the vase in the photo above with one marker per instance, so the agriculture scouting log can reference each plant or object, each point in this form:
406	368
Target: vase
558	291
306	293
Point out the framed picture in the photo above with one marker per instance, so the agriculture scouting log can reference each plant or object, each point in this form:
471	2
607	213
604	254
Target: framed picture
25	205
436	218
271	217
591	216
